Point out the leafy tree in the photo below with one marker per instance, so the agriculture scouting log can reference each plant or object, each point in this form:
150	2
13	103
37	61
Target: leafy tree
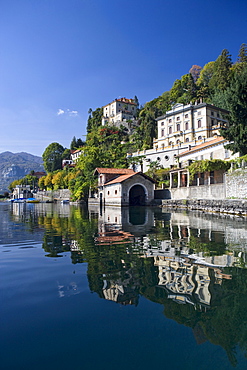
66	154
13	184
41	182
234	99
48	181
58	180
52	157
195	72
203	81
94	119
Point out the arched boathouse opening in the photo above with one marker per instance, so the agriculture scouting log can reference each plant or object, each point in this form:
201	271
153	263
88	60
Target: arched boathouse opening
137	196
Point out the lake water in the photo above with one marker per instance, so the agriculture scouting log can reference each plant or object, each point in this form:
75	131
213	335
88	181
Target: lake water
138	288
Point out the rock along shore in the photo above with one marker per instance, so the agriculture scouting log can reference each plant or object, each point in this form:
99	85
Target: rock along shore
229	206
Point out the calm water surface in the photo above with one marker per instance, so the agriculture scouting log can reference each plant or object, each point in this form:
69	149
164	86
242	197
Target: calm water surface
137	288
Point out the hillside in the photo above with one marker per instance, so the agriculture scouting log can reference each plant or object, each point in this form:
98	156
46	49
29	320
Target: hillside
14	166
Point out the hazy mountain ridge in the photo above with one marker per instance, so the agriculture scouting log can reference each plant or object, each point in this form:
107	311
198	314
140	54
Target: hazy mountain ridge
14	166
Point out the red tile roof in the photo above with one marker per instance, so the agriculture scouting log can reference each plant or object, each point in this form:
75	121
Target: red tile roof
114	171
122	178
196	148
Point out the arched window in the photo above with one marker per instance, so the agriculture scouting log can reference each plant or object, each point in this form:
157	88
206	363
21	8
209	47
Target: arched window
178	127
199	138
170	130
199	123
187	140
186	126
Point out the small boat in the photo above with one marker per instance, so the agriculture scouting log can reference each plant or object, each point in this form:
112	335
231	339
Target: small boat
19	200
65	201
32	200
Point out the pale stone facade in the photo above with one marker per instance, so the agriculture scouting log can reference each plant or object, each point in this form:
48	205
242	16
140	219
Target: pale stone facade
182	128
119	112
122	187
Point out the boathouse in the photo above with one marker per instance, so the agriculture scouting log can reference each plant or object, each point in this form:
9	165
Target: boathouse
122	187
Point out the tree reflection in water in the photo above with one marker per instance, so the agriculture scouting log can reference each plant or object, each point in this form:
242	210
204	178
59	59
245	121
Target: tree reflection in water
189	263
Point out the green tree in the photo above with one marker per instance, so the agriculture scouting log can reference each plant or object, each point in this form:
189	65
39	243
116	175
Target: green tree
48	181
203	81
222	72
242	55
234	99
94	119
52	157
73	144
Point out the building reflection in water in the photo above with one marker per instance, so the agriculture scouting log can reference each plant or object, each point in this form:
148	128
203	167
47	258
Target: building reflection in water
185	275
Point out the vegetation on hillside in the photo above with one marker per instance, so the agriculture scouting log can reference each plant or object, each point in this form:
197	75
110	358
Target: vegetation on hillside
220	82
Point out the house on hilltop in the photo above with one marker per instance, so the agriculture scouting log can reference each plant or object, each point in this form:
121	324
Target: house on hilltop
122	187
121	111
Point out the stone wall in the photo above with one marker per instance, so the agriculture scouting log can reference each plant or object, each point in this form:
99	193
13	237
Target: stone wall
53	195
214	191
236	184
229	206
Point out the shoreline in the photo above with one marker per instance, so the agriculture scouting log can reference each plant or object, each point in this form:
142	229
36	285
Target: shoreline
235	207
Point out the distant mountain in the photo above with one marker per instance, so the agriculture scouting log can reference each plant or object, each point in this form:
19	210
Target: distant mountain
14	166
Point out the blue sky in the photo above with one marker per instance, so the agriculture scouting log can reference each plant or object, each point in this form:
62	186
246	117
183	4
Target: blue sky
58	58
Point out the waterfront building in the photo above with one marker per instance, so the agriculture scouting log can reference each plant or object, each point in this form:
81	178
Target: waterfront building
122	187
181	129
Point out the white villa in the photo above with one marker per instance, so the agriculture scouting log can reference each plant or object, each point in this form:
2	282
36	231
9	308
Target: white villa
120	112
183	128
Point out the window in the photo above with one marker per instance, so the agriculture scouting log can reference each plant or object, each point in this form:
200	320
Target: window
187	140
170	120
115	192
212	113
199	113
170	143
199	138
162	123
162	132
186	116
178	118
115	219
108	193
167	158
199	123
162	146
211	155
218	115
201	157
178	127
170	130
186	125
212	122
178	141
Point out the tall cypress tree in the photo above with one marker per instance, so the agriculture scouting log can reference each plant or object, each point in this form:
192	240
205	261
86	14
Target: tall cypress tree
242	55
222	71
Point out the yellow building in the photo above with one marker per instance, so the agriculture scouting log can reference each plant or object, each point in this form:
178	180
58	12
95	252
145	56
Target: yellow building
189	123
